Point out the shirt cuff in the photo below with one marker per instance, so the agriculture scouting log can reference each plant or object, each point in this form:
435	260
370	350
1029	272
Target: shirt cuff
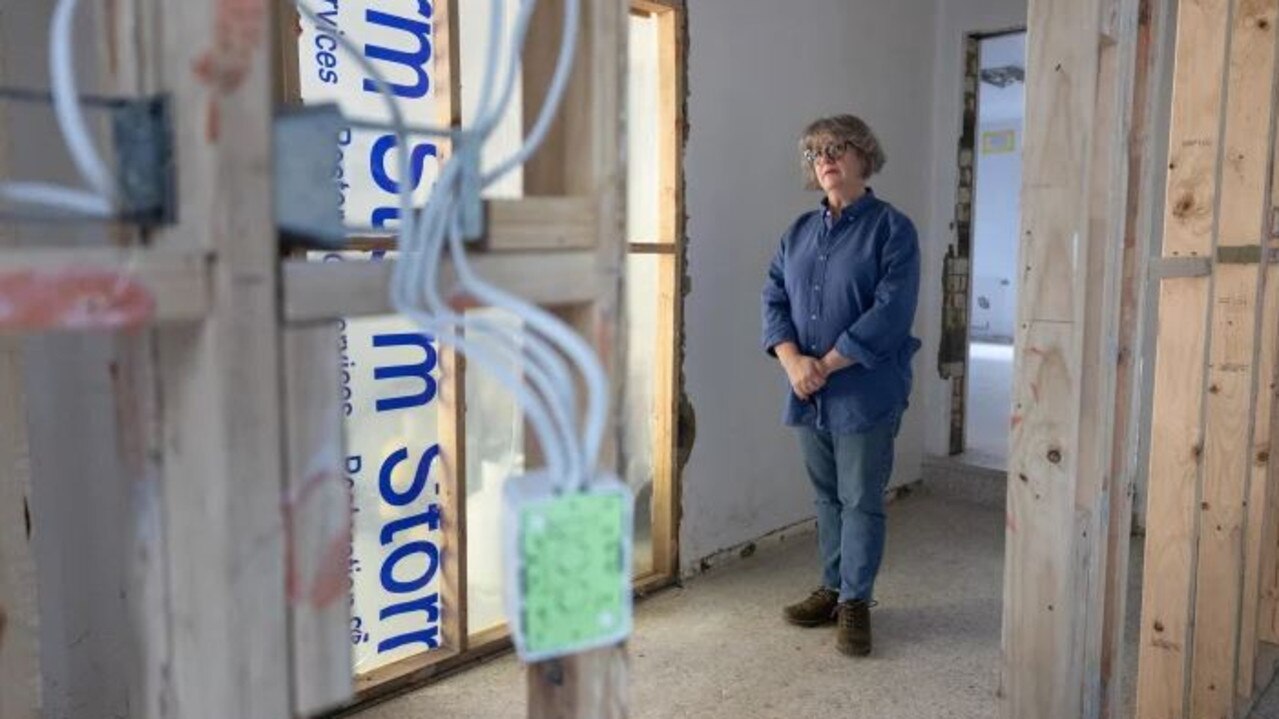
776	338
855	351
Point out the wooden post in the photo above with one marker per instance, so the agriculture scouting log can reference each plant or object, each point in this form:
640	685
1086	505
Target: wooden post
19	626
1060	487
1137	240
220	379
593	685
1215	354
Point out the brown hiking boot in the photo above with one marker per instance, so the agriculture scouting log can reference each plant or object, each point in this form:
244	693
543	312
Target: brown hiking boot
853	636
815	611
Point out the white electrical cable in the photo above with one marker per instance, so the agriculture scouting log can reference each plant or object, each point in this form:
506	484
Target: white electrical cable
75	133
568	340
543	425
422	242
66	102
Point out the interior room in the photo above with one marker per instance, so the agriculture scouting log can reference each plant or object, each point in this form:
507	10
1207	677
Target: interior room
399	358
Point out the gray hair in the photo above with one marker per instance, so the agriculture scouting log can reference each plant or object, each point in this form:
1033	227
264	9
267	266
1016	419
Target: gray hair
843	128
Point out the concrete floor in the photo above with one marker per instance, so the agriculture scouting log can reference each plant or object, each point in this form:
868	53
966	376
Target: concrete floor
717	648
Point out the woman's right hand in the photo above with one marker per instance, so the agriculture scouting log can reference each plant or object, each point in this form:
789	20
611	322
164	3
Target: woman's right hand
807	375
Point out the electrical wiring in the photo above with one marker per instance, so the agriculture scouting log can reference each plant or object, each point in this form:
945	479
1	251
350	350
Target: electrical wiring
557	434
66	102
97	201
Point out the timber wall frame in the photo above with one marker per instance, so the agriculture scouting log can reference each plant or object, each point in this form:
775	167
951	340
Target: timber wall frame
228	394
1209	590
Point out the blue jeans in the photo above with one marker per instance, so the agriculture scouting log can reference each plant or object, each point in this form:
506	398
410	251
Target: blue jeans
850	473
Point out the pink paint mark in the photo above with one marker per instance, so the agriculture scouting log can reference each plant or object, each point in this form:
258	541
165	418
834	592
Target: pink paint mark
329	583
461	301
1015	421
1009	522
72	299
238	31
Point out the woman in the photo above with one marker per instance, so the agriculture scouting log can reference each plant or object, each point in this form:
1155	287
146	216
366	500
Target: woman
838	306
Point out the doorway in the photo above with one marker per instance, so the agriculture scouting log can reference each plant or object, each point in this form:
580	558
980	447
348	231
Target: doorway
984	260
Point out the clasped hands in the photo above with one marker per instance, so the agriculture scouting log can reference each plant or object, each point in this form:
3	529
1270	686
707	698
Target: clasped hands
808	375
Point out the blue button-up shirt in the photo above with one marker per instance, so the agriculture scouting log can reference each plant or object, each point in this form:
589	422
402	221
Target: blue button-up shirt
849	283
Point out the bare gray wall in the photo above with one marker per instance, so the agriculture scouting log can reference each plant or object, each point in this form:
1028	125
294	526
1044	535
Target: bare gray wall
759	70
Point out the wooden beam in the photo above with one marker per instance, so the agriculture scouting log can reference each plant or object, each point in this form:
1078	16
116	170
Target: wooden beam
324	290
19	611
1078	90
594	684
79	289
220	380
1230	402
1204	543
548	223
1227	583
591	684
1137	237
317	516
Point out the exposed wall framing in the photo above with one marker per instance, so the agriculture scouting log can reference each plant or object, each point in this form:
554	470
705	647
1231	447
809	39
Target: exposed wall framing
246	616
1079	88
1211	487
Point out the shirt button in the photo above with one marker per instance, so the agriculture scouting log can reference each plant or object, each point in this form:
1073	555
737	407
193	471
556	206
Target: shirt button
817	287
813	317
822	258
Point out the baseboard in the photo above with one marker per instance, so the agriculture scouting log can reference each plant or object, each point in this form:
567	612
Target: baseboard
775	538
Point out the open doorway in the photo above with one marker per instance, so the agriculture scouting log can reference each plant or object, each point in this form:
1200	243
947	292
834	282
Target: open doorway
991	159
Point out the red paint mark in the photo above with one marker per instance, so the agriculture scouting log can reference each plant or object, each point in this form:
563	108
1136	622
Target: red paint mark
72	299
238	31
329	583
461	301
1009	522
1015	421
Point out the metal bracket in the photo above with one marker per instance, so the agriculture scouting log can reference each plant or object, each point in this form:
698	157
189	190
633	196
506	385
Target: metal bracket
142	141
145	172
307	199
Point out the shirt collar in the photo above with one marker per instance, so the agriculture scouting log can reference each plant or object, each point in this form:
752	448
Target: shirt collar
852	209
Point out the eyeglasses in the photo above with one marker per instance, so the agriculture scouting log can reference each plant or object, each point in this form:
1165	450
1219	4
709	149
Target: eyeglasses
830	152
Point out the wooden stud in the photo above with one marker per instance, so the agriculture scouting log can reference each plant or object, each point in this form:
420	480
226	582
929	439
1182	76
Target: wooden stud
592	684
317	509
220	380
325	290
1058	502
1136	247
1229	404
670	291
1177	443
76	289
596	124
1248	147
19	611
453	497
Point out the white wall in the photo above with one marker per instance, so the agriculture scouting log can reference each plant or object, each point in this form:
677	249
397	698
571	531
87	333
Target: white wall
996	217
758	72
955	19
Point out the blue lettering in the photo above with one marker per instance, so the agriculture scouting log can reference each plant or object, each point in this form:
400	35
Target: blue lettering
429	636
414	61
386	484
421	370
428	549
417	162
